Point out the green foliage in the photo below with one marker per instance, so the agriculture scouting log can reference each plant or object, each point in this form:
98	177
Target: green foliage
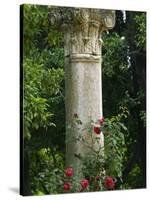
115	147
115	46
141	30
143	117
34	25
37	32
123	81
39	84
43	86
132	178
116	73
46	176
42	80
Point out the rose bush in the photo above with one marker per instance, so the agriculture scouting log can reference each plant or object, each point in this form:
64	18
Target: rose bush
100	171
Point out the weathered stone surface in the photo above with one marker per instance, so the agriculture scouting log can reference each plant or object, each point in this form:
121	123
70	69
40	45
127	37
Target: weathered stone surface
82	35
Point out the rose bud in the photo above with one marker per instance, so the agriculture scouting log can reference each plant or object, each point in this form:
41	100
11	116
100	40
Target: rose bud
101	121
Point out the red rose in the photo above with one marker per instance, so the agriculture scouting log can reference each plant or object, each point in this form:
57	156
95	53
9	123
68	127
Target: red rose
109	182
69	172
67	186
97	130
84	183
101	121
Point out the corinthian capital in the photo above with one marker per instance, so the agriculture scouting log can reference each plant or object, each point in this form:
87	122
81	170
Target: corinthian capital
83	27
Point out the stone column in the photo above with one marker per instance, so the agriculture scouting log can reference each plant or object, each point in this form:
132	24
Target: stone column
83	81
